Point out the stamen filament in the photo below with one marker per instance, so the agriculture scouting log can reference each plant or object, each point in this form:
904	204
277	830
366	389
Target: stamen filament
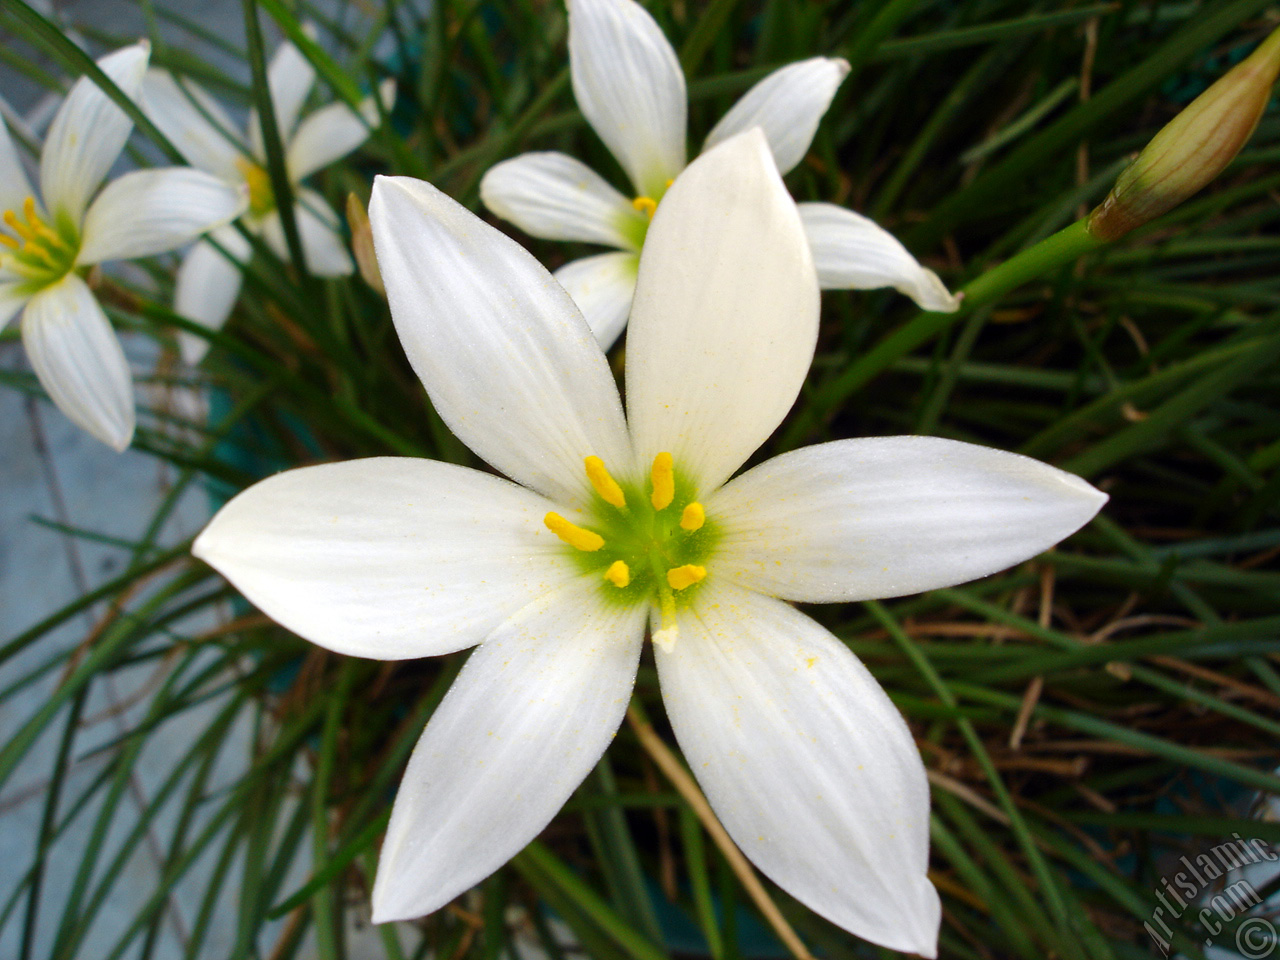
693	517
645	205
619	574
575	536
681	577
604	484
9	241
664	481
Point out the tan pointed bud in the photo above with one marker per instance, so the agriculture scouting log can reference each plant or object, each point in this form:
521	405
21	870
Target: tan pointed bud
362	244
1194	146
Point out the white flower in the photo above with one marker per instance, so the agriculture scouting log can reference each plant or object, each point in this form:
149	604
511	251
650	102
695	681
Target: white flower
46	249
615	524
630	87
208	282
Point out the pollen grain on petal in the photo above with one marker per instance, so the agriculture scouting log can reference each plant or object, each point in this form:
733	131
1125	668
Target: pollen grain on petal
575	536
681	577
619	574
604	484
664	481
693	517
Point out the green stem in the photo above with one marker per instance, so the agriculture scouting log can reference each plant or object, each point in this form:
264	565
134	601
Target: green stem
1063	247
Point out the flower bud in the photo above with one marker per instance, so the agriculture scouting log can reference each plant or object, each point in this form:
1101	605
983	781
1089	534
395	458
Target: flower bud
362	244
1193	148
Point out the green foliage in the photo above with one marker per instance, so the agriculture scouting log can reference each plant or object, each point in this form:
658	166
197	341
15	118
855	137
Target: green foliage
1135	667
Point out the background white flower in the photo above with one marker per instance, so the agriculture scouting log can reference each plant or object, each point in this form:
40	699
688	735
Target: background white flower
46	249
805	759
631	89
209	279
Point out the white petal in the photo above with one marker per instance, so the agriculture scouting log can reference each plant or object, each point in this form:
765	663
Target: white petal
853	253
207	286
506	357
13	294
78	359
526	720
194	122
602	287
150	211
806	762
332	132
320	231
725	316
556	197
888	516
87	134
390	557
14	185
630	87
289	79
787	105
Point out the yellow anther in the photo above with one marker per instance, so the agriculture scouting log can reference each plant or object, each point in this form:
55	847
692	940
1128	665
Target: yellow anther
17	226
645	205
664	482
9	241
604	484
29	208
619	574
575	536
686	576
669	183
693	517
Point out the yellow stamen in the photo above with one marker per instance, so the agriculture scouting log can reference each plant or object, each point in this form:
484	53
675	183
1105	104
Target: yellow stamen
575	536
686	576
29	210
9	241
619	574
17	226
645	205
33	249
693	517
664	482
604	484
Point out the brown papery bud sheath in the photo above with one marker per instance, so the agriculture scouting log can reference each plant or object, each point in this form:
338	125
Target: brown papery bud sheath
1193	148
362	244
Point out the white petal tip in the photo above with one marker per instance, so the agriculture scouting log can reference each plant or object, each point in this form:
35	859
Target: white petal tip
931	294
842	65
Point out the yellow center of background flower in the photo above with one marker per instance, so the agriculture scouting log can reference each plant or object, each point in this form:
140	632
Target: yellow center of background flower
33	249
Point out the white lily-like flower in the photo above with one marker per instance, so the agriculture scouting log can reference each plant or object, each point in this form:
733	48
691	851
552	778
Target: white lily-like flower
630	87
47	248
209	279
615	524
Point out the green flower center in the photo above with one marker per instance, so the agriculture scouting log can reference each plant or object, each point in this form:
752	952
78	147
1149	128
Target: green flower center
262	200
637	228
35	250
648	543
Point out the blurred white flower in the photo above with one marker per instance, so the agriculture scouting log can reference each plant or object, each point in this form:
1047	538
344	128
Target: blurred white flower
47	248
630	87
615	524
209	279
